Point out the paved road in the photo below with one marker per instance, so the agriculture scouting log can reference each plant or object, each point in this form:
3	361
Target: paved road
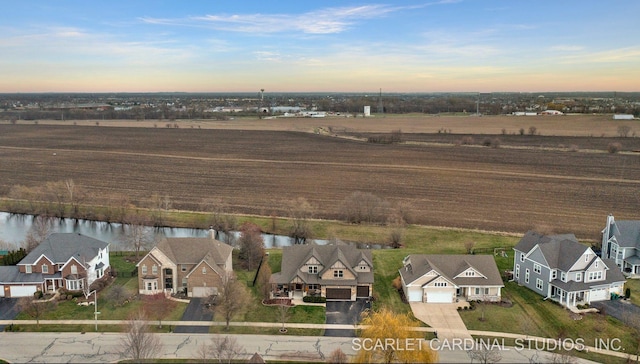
195	311
106	347
8	309
344	313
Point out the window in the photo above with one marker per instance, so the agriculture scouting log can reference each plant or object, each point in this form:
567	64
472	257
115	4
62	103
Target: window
45	268
362	267
537	268
184	282
313	269
470	273
522	257
144	269
579	277
152	285
483	291
440	284
74	285
563	276
338	273
74	269
204	270
595	276
597	263
554	274
526	276
313	286
586	257
154	269
27	269
517	271
539	284
183	267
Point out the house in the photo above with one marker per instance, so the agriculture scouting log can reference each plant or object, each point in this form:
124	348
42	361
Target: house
560	268
621	242
337	272
447	278
194	266
63	260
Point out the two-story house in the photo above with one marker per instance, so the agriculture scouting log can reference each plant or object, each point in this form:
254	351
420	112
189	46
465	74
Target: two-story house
621	242
448	278
195	266
63	260
560	268
338	272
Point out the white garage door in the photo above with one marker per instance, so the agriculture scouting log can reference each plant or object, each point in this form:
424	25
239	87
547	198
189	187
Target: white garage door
598	295
415	295
439	297
22	291
1	290
203	291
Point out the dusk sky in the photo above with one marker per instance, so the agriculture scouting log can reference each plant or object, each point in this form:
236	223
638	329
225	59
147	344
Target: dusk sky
293	46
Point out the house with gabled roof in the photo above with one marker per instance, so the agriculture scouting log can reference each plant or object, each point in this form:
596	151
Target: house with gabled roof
558	267
621	242
436	278
337	272
195	266
63	260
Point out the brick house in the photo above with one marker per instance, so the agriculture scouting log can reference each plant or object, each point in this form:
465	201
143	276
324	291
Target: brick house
62	260
194	266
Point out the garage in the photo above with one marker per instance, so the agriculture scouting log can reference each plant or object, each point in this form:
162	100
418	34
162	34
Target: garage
415	295
338	293
1	290
204	291
439	297
599	294
22	291
362	291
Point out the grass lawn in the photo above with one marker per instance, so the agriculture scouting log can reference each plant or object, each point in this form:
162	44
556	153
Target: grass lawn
634	287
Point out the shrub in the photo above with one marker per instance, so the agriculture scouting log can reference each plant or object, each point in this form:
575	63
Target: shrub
486	142
521	131
614	147
533	130
627	292
495	143
314	299
397	283
574	148
467	140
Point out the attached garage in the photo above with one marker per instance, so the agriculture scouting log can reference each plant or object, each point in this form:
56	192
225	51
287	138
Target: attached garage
415	295
439	297
338	293
204	291
362	291
599	294
22	291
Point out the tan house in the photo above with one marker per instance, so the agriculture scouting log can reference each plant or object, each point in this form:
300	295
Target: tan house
448	278
194	266
339	272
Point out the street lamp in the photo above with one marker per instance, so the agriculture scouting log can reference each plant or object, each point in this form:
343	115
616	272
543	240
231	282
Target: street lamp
95	307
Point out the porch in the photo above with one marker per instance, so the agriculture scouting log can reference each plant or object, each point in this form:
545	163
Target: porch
568	299
295	291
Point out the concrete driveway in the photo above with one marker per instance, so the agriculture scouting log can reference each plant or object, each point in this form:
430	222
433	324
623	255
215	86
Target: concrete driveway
624	311
8	309
195	311
442	317
345	313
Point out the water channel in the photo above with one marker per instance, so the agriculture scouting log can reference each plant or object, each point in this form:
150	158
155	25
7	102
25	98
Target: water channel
14	229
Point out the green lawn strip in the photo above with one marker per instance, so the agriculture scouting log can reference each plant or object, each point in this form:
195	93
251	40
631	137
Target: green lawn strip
634	287
532	315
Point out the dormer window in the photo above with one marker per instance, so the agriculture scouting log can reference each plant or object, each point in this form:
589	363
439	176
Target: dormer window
45	268
313	269
470	273
27	269
74	269
204	270
563	276
338	273
579	277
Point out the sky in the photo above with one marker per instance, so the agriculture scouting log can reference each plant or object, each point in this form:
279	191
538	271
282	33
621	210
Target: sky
319	46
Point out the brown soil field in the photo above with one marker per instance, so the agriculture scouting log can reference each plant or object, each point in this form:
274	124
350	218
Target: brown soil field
259	171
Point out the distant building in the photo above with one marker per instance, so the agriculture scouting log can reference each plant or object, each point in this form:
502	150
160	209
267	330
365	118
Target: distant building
552	112
367	111
623	117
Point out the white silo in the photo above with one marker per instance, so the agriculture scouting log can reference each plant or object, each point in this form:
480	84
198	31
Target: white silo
367	111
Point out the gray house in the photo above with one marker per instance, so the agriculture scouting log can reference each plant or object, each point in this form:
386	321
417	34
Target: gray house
621	242
558	267
448	278
338	272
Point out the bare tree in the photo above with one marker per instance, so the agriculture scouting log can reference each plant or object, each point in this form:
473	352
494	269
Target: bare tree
220	221
485	355
395	237
34	308
139	343
300	211
263	280
157	306
159	206
251	245
225	348
232	299
137	237
337	356
624	130
41	228
468	245
283	314
364	207
75	195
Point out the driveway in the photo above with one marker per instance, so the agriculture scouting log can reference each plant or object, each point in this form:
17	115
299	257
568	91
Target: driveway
196	311
8	309
624	311
344	313
442	317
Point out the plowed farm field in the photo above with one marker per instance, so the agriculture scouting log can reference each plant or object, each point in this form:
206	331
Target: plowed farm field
259	171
